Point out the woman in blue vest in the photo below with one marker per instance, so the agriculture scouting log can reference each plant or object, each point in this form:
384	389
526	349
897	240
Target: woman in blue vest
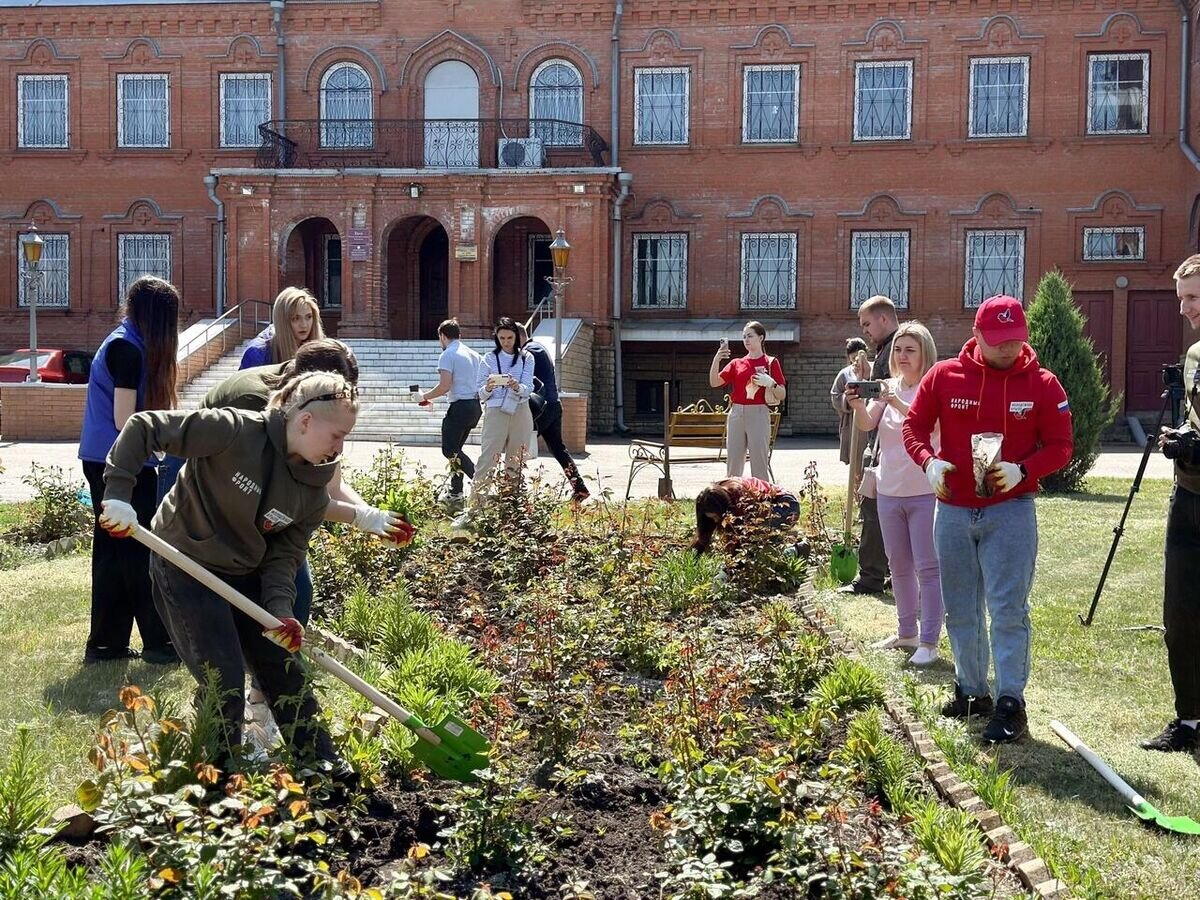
295	319
133	370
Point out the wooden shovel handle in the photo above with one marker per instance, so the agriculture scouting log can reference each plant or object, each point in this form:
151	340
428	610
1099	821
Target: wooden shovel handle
157	545
856	437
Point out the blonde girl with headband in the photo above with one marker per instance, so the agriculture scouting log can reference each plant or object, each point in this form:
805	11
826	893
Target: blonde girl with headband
295	320
244	507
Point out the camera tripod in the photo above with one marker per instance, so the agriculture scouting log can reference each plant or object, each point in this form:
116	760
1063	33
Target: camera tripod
1172	396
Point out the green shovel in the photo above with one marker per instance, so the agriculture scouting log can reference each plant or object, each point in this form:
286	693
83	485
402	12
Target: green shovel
450	749
1140	806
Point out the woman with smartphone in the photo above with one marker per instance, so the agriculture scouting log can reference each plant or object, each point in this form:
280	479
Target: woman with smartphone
756	382
906	502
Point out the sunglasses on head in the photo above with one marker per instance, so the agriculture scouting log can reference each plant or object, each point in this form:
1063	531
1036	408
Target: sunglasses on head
346	393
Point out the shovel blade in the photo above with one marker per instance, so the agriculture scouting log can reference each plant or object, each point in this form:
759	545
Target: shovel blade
1178	824
843	563
460	754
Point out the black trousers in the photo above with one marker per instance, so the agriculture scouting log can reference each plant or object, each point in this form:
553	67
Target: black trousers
872	558
549	429
121	575
1181	600
461	417
210	633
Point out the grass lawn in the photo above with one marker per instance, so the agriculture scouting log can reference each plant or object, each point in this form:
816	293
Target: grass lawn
44	613
10	515
1108	684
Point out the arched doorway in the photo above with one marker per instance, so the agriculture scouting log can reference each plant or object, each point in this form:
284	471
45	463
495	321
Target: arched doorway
520	263
417	280
312	259
451	116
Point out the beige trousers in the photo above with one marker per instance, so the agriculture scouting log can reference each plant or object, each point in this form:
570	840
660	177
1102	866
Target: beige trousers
748	426
503	433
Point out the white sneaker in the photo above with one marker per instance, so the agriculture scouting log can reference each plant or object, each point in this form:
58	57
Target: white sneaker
924	656
461	521
895	642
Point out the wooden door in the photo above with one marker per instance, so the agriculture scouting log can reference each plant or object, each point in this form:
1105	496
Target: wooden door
1155	331
1097	307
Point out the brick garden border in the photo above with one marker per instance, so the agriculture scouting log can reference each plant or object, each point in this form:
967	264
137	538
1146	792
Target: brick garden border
1020	858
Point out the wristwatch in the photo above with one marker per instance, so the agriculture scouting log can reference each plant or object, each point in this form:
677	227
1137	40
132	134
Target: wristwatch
1024	474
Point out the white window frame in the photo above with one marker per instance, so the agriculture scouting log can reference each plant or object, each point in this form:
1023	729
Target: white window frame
680	269
984	233
1138	230
341	136
327	279
22	137
906	64
794	135
226	77
531	285
1098	57
637	104
124	78
788	301
976	62
54	290
557	135
126	278
858	239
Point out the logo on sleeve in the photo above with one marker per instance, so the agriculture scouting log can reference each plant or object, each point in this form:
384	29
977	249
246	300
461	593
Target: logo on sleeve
1020	408
275	519
1064	406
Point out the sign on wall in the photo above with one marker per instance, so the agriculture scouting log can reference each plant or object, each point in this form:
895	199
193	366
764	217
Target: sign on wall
360	244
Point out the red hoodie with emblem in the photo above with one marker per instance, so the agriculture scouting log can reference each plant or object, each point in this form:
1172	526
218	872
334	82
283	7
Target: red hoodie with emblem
966	396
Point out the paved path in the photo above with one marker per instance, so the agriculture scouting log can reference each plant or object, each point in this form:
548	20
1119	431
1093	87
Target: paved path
607	459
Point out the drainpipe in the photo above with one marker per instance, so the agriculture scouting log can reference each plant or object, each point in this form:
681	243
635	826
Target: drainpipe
624	179
210	182
1185	53
281	90
614	127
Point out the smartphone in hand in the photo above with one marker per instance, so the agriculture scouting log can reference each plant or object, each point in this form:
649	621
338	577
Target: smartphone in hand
868	390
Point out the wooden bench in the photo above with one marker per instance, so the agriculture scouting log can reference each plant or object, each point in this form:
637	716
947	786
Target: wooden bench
695	434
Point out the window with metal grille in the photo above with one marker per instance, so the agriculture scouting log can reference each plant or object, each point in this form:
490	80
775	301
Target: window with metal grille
143	111
142	254
883	101
1128	242
541	266
660	106
769	270
245	104
995	265
54	285
42	111
770	104
999	102
556	92
660	271
879	265
346	107
1118	93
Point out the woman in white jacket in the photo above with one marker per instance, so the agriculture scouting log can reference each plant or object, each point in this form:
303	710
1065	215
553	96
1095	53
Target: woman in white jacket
505	383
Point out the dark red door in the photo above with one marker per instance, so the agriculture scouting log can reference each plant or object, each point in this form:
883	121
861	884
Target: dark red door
1096	307
1155	339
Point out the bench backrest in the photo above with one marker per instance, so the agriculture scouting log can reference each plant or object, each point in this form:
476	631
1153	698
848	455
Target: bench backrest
697	429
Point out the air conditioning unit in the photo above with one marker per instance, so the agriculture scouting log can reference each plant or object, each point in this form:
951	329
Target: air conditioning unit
520	153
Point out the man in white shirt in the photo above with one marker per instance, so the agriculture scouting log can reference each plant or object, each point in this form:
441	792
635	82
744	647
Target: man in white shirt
458	374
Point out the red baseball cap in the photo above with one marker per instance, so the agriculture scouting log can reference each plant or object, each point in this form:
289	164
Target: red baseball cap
1001	319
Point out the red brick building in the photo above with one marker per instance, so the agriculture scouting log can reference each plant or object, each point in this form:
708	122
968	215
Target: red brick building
778	162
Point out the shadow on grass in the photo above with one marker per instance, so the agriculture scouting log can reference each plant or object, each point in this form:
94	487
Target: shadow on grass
92	690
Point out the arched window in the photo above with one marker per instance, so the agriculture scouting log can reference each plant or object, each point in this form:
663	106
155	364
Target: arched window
346	113
556	92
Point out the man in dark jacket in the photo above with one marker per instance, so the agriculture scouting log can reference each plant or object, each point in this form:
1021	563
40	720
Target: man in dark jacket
877	317
549	423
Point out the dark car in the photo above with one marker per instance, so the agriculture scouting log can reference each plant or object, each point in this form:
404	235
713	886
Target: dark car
54	366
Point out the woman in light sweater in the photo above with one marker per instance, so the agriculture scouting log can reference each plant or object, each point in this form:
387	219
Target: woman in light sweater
906	502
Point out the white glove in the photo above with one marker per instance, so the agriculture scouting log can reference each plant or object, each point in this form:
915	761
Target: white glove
378	522
1005	476
935	471
763	380
118	518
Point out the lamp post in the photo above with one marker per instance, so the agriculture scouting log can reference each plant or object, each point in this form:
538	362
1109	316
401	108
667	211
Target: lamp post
560	253
31	246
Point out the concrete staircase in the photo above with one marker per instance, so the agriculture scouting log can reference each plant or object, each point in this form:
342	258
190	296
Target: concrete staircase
193	393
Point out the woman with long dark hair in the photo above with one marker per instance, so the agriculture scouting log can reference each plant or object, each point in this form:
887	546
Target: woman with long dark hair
721	507
133	370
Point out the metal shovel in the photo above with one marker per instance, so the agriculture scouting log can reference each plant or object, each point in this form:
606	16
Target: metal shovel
843	558
1140	806
450	749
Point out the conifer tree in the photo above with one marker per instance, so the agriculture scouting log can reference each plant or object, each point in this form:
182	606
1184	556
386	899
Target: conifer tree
1056	333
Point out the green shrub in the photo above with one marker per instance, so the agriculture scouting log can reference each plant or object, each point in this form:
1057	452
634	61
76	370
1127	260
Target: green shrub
1056	333
55	511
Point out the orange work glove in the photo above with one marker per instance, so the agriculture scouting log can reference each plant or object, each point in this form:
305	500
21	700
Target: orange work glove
289	635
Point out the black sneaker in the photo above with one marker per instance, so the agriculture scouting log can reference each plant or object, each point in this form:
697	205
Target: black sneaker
963	706
108	654
1008	722
1175	738
161	656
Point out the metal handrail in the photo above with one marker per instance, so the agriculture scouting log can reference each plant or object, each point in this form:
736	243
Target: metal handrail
188	350
543	310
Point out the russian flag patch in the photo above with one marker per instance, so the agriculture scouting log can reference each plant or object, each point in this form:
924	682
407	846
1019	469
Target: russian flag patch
1065	406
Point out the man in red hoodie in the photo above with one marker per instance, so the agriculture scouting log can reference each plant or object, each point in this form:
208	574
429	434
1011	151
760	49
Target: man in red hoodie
987	546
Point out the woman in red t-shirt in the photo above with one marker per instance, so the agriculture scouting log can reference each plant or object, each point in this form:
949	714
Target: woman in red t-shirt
755	380
738	498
